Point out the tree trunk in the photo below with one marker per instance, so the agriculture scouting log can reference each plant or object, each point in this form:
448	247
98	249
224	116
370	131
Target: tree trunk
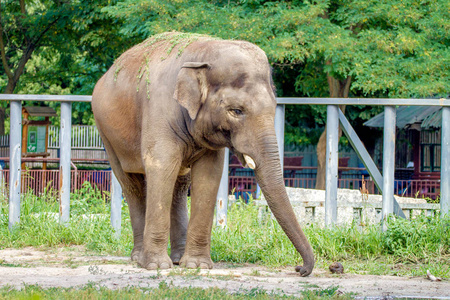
338	89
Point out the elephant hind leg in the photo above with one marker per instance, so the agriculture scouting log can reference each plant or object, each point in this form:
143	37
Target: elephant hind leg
179	218
134	193
133	188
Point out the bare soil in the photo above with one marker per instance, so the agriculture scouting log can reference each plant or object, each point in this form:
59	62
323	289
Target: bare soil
73	267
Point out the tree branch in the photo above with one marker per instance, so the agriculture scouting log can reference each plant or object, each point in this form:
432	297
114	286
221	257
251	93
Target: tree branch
30	47
2	49
23	61
22	7
346	88
36	42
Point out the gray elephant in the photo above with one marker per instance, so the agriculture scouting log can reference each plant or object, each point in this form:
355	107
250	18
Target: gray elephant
165	111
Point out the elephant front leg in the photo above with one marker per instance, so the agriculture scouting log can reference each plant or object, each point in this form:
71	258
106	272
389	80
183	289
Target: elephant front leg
205	175
161	176
179	218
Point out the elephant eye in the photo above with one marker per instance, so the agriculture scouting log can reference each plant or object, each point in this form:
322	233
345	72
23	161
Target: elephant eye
237	111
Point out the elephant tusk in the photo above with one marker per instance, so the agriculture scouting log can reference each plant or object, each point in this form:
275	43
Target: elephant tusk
250	162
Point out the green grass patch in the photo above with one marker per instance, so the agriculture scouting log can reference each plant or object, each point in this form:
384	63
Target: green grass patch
407	248
164	291
89	224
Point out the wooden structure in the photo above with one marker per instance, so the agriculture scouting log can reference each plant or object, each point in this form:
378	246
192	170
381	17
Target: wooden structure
418	149
35	132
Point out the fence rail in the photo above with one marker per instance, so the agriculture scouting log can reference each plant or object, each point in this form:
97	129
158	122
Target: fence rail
334	118
83	137
40	182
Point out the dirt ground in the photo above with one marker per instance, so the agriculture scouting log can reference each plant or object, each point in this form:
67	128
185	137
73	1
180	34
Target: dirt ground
71	267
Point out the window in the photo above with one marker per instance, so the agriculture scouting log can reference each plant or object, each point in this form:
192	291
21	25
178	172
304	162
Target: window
430	150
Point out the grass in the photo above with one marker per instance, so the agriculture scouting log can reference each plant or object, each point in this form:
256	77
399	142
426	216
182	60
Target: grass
407	248
164	291
89	224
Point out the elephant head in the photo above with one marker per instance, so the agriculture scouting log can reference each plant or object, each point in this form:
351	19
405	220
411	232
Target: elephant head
229	101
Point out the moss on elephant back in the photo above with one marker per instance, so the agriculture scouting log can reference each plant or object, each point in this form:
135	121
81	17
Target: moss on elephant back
169	41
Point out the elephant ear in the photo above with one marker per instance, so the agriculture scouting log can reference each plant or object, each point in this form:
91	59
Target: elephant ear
191	88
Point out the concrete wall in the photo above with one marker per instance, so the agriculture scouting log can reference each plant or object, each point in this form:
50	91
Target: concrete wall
354	206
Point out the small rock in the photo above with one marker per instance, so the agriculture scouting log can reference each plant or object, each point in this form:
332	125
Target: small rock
337	268
432	277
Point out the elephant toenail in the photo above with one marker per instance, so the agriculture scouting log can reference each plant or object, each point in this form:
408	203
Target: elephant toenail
191	265
204	266
152	266
164	265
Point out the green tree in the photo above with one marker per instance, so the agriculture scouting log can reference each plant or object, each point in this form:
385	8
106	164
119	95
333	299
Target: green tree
395	48
56	47
21	33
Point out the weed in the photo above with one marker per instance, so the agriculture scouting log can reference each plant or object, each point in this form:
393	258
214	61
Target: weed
307	285
96	270
5	264
185	272
70	263
255	273
254	292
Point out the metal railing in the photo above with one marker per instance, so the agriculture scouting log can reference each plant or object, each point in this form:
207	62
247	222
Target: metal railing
334	118
82	137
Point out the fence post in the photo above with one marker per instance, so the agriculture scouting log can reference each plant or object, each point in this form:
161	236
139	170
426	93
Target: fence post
2	182
388	162
279	131
116	205
445	161
15	154
64	163
222	194
332	158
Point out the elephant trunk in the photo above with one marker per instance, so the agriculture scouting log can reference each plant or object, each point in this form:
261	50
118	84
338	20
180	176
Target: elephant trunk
270	178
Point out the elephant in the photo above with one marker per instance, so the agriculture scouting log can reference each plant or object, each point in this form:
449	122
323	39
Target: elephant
166	110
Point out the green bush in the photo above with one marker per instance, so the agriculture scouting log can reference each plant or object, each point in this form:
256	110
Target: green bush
420	237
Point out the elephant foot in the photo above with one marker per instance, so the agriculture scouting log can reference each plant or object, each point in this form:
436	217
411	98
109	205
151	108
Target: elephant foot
176	255
194	262
155	261
135	254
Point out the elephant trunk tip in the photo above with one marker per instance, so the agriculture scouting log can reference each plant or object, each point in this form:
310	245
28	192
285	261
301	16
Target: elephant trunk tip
304	270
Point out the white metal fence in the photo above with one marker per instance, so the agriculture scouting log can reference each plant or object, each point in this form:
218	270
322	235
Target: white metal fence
335	117
83	137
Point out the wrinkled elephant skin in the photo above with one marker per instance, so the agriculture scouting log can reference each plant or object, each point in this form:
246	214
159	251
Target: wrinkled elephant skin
165	111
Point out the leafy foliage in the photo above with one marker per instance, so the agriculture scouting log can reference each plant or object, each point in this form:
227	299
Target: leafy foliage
395	48
387	48
398	48
56	47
